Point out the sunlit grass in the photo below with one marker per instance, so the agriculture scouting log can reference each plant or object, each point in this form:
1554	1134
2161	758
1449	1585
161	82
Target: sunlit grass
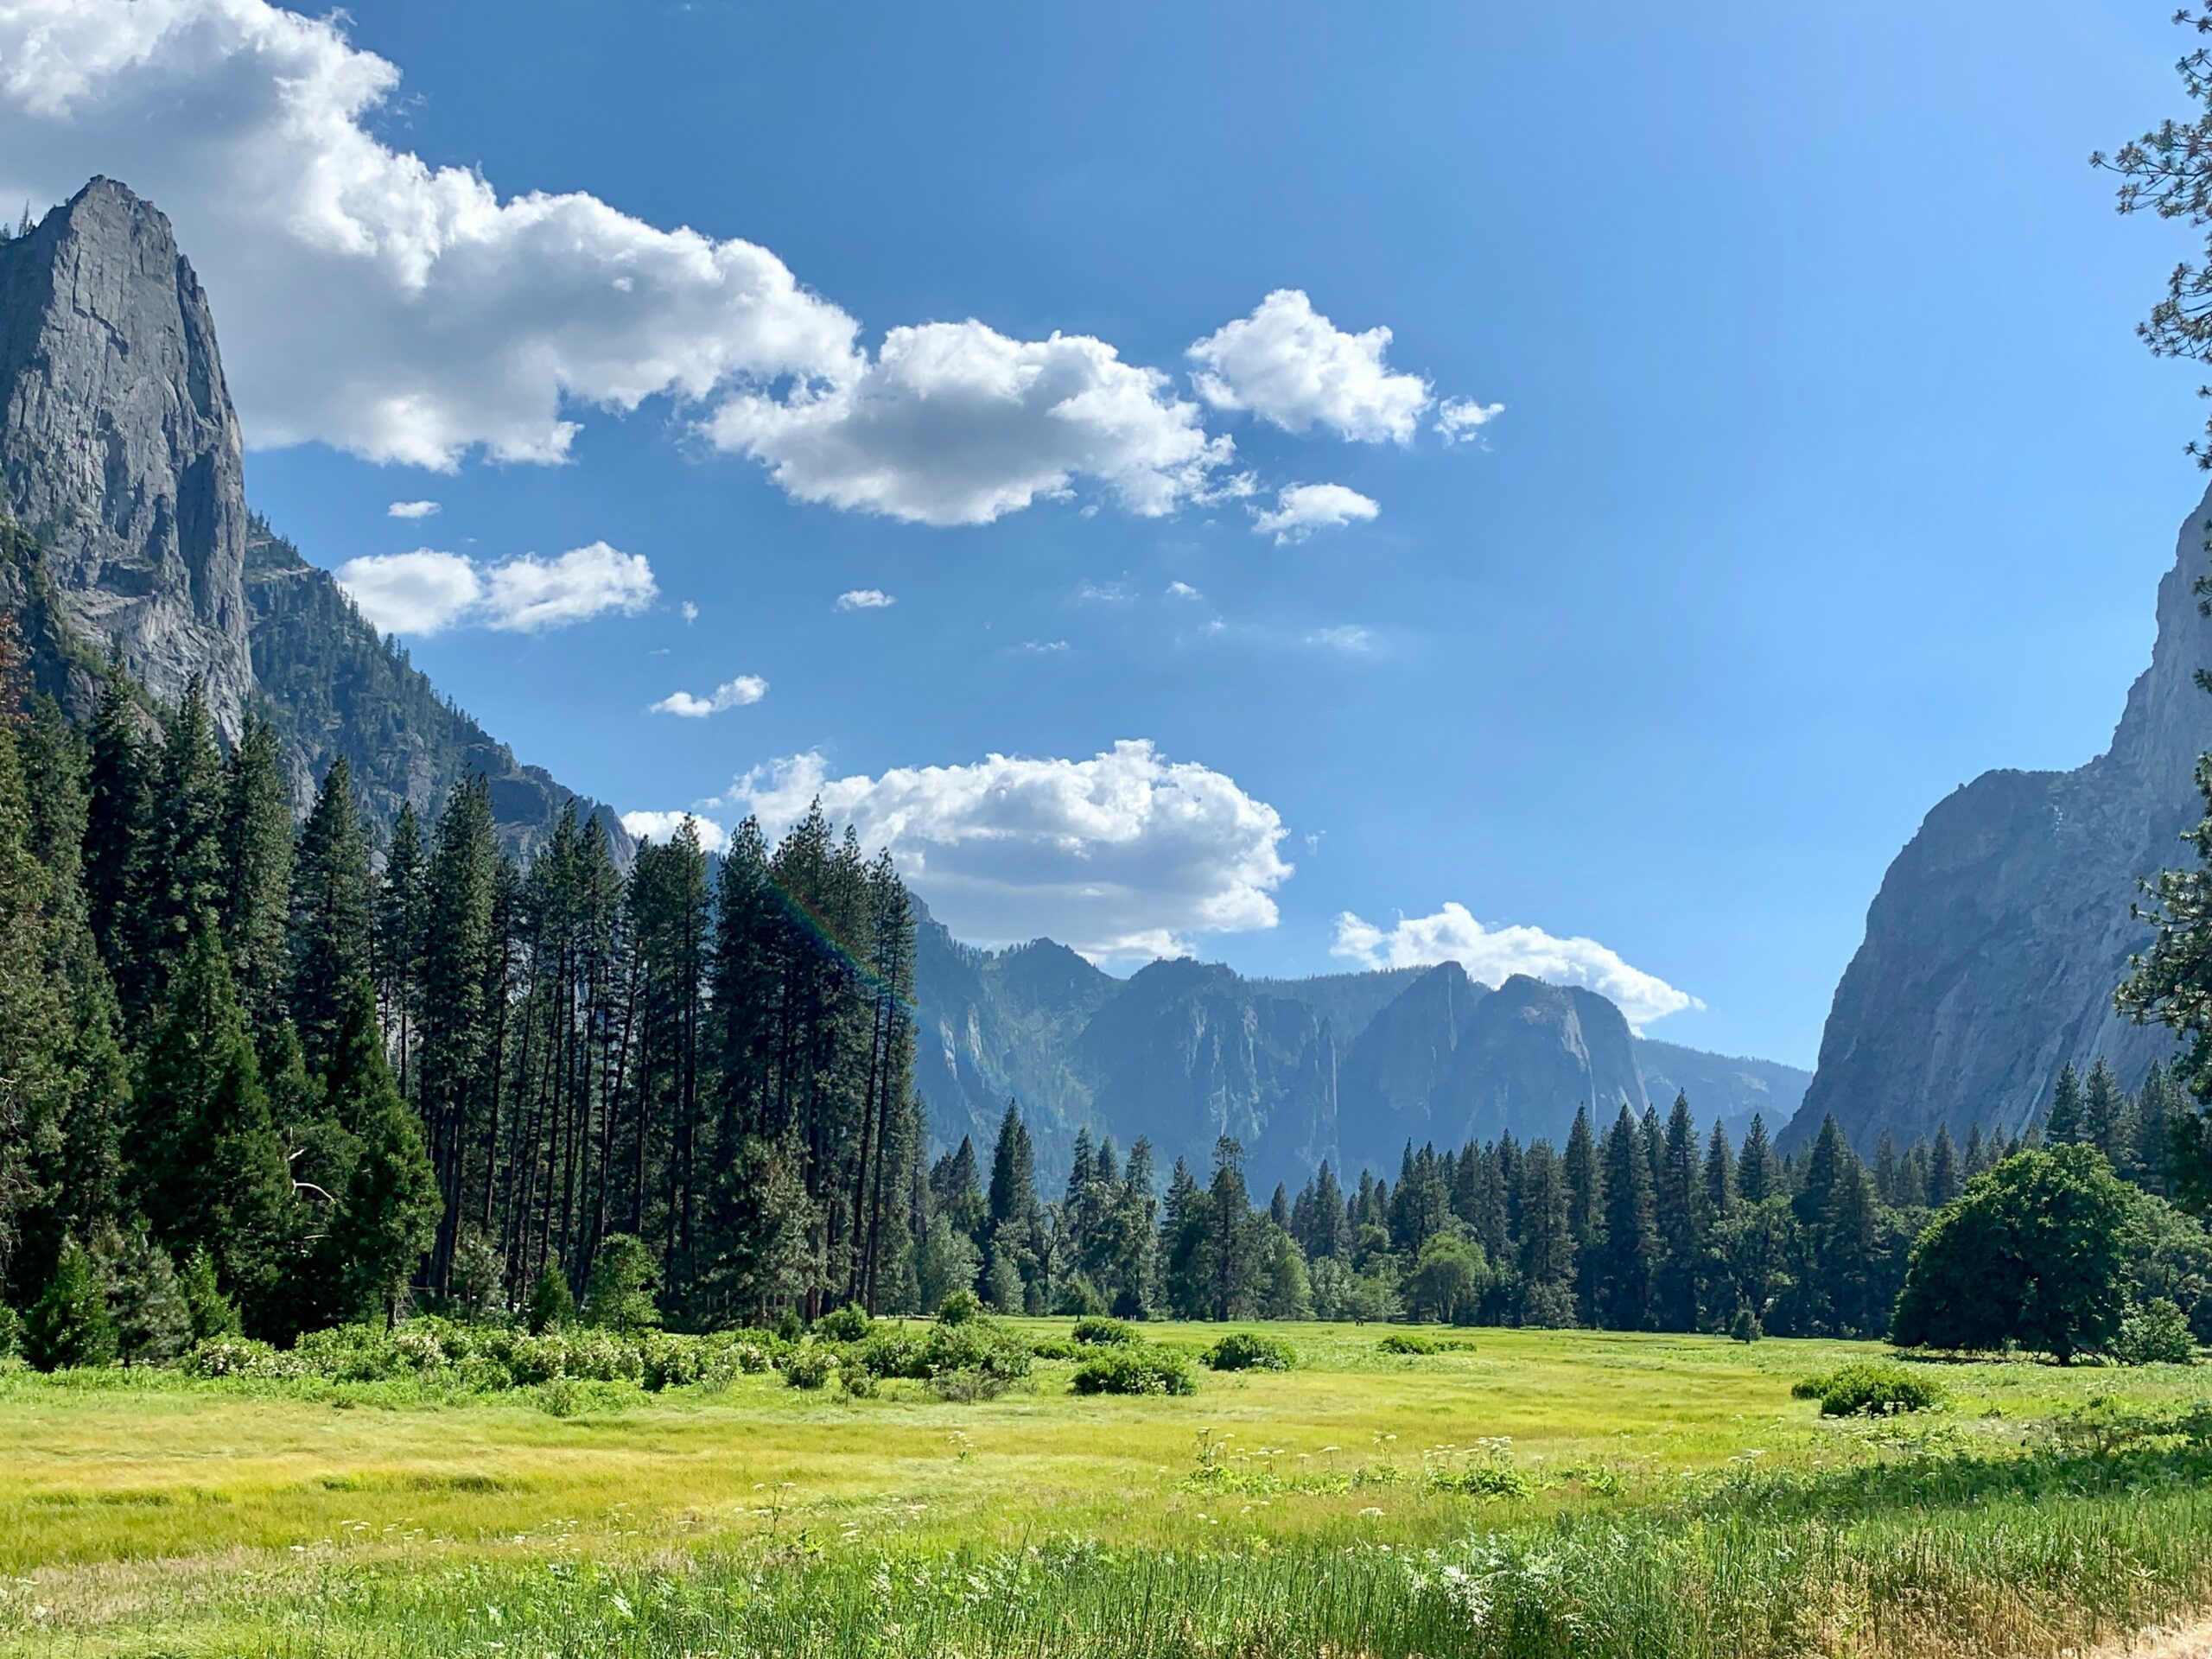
1284	1512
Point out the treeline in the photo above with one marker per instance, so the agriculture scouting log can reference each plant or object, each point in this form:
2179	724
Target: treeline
1650	1225
285	1083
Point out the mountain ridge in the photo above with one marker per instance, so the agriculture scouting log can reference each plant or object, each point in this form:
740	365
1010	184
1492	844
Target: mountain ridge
122	467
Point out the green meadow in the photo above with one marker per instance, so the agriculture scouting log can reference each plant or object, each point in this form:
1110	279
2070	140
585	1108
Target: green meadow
1538	1492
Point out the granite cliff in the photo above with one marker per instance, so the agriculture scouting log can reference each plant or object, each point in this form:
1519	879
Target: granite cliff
123	485
1998	934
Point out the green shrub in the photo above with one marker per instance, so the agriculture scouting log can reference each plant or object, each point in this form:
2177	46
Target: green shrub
1250	1350
69	1325
11	1332
859	1384
847	1324
551	1303
1097	1329
1745	1326
1146	1368
808	1368
1058	1348
619	1294
1870	1389
960	1307
2155	1332
1412	1342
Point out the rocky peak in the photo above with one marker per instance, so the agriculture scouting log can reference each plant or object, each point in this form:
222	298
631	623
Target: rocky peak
2002	928
119	450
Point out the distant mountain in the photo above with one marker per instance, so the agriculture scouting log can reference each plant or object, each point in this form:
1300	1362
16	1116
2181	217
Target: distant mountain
1723	1086
1345	1067
2000	933
121	470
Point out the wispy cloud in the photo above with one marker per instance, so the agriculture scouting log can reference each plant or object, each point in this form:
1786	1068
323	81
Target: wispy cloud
730	693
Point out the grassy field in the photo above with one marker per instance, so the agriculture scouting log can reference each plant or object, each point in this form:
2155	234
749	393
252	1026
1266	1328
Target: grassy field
1540	1493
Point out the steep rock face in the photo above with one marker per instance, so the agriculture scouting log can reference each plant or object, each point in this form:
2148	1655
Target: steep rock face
1533	1053
1993	948
332	687
1393	1068
1187	1053
121	470
119	450
995	1027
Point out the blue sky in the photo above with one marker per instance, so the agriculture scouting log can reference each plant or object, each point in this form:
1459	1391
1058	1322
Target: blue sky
1829	475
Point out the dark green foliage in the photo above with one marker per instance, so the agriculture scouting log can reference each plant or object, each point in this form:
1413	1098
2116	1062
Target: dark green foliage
810	1368
331	895
847	1324
551	1303
1146	1368
256	847
619	1294
212	1173
1744	1327
1626	1247
1251	1350
70	1325
212	1313
387	1214
2033	1254
1100	1332
153	1319
2062	1122
1421	1344
1870	1388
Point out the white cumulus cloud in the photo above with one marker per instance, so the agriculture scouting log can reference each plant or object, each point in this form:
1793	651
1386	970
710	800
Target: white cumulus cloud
730	693
866	599
1301	508
1127	854
1293	368
367	299
427	591
956	423
411	510
662	826
1494	955
1183	590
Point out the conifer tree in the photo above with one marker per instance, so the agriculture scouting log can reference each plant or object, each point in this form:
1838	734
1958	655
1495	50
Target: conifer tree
118	810
256	843
330	930
1678	1210
1234	1239
70	1325
1548	1255
34	1029
1719	1176
2104	1117
1943	1177
398	938
387	1215
212	1171
1629	1248
184	883
2064	1123
551	1303
1016	1230
153	1321
1585	1213
1754	1171
459	892
619	1295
